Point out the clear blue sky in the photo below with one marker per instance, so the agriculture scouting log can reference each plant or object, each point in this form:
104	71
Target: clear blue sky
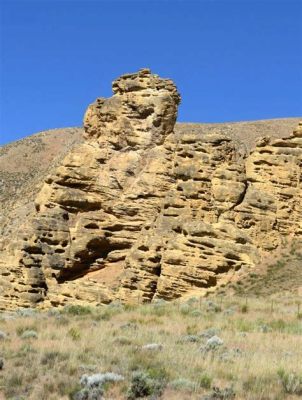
232	60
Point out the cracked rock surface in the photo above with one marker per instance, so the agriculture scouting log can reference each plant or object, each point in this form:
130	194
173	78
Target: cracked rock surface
139	211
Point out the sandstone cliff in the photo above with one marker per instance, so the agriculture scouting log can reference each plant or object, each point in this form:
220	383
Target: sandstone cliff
138	211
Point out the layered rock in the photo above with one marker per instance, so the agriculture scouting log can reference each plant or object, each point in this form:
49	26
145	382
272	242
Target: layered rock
91	211
138	212
221	216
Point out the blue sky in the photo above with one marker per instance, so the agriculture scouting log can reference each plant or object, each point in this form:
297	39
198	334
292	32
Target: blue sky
231	60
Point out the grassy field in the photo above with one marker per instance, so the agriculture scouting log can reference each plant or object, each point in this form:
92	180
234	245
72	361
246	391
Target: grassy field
163	350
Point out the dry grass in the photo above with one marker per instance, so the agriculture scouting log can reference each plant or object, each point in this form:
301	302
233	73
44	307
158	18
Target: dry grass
280	273
109	339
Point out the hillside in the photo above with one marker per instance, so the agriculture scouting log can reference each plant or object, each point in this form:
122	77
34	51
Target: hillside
136	208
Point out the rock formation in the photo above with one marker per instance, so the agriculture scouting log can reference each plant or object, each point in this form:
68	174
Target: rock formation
139	212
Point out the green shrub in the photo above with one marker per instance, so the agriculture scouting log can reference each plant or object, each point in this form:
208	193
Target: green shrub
192	329
185	309
29	334
21	329
244	308
158	372
278	325
74	334
143	385
196	313
13	384
291	382
147	362
77	310
140	386
205	381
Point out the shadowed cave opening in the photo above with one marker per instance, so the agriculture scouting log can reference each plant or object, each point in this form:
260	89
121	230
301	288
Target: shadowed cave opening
96	248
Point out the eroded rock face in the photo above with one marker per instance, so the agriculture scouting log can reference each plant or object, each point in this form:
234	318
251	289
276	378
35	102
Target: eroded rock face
138	212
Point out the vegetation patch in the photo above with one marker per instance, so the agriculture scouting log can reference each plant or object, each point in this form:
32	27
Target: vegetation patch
170	354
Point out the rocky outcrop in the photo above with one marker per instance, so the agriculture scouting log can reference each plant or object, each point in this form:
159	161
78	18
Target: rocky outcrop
222	215
138	212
